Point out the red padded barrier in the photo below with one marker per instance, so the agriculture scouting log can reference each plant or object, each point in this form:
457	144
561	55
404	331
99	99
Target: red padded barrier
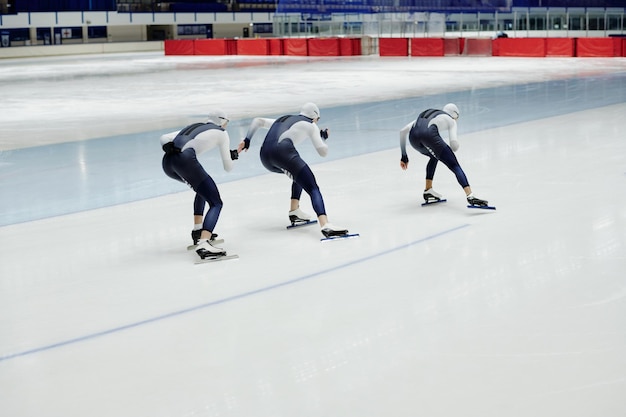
598	47
252	47
345	47
560	47
178	47
349	46
452	46
528	47
275	46
477	46
295	46
427	47
393	46
210	47
323	47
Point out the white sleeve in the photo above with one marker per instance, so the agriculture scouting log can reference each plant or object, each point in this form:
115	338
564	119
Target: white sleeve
258	123
168	137
452	131
404	135
316	138
224	146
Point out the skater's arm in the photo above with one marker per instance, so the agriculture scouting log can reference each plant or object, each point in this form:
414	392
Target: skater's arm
452	138
256	124
404	134
318	142
168	137
224	145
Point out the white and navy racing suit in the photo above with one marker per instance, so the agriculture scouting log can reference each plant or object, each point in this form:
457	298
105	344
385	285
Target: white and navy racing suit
279	154
424	135
180	163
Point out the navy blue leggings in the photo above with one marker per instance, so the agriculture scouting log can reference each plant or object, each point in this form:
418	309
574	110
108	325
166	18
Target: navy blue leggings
184	167
428	142
284	158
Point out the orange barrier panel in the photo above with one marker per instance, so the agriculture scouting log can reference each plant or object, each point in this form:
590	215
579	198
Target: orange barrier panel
252	47
295	46
560	47
598	47
527	47
452	46
427	47
275	46
323	47
393	46
210	47
178	47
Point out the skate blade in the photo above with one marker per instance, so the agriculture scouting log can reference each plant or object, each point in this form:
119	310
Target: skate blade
217	258
430	203
337	237
481	207
301	223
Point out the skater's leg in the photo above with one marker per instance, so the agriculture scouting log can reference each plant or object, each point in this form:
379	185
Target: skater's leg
208	190
430	171
448	158
198	217
296	193
306	180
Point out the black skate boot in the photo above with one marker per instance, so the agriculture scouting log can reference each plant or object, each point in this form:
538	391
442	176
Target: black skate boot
206	250
432	196
474	201
298	216
195	236
330	230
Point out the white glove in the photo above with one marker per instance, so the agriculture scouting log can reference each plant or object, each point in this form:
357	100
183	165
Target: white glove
454	144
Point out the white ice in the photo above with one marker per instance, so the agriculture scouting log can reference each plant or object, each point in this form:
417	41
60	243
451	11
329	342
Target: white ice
433	311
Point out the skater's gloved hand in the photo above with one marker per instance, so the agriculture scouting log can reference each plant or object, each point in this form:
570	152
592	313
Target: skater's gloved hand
404	162
234	154
454	144
244	145
324	134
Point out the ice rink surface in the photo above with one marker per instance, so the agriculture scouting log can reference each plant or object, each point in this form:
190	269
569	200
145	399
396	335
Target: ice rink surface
433	311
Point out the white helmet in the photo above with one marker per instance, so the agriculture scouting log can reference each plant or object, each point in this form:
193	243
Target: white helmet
310	110
452	110
217	117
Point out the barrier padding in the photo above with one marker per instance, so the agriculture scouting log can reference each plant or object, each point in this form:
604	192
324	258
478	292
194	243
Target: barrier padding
275	46
252	47
349	46
178	47
598	47
477	47
452	46
427	47
526	47
323	46
393	46
210	47
295	46
560	47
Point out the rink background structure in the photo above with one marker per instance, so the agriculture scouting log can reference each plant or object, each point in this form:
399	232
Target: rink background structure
440	310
